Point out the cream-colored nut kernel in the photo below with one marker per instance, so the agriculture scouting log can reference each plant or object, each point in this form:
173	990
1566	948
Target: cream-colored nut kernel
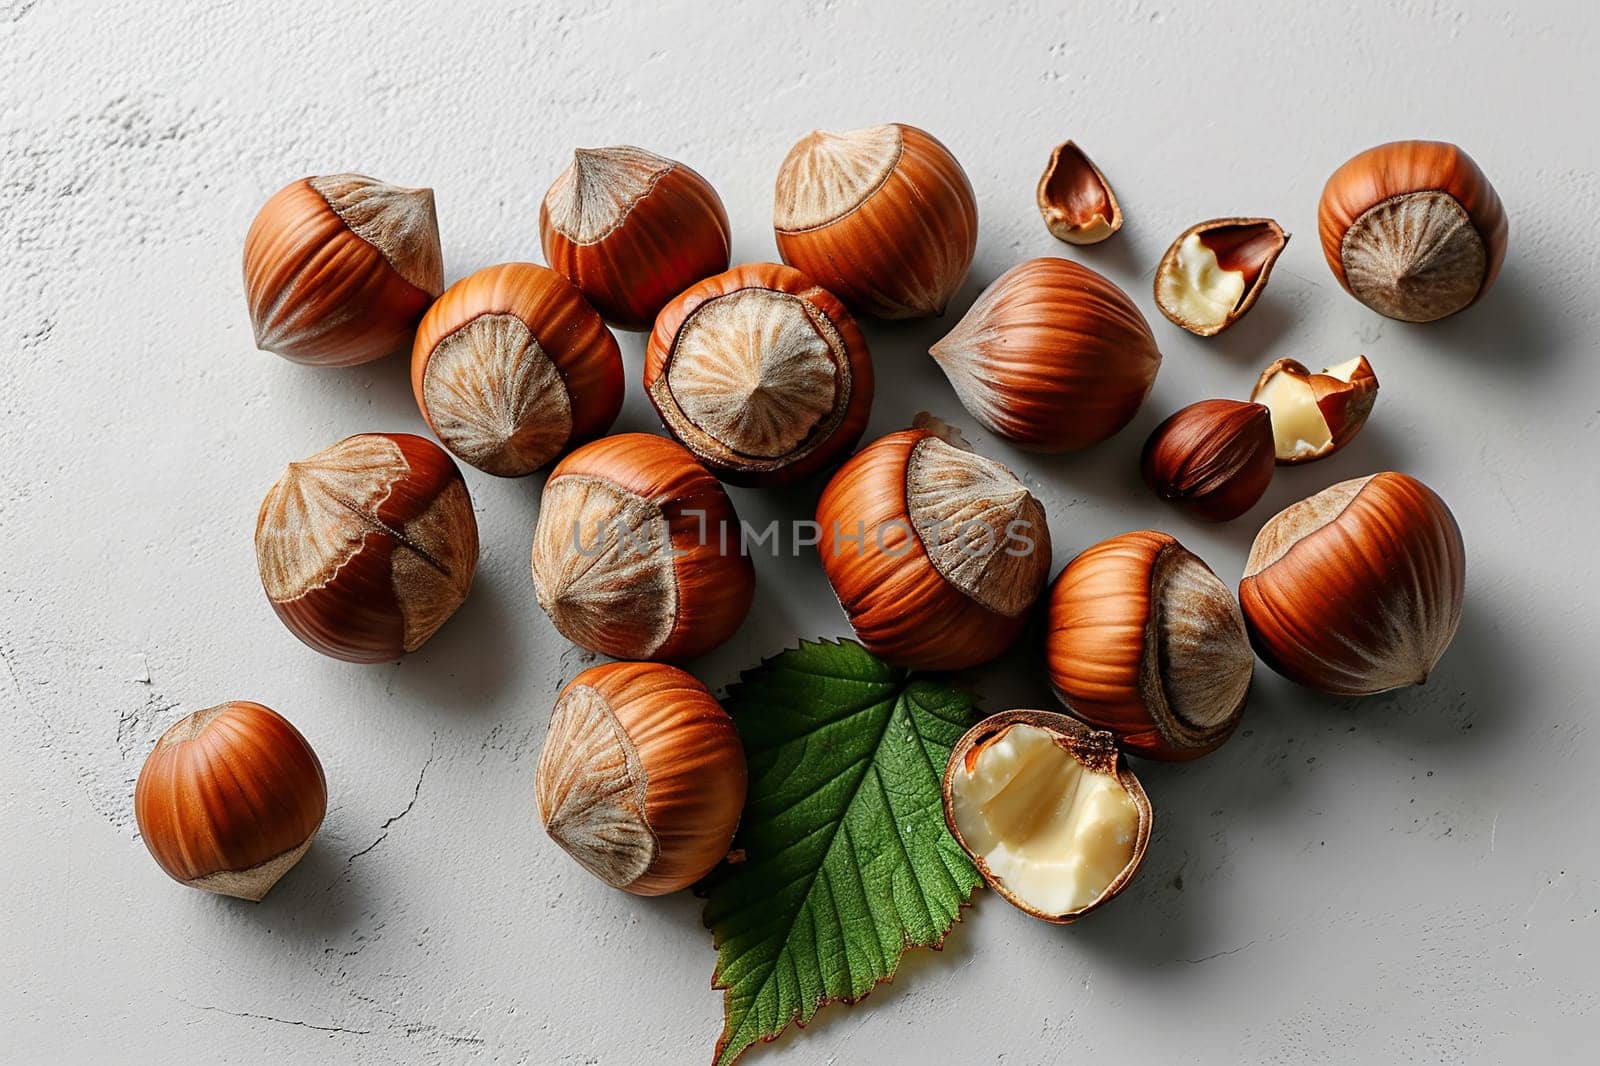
1199	289
1314	415
968	512
1053	831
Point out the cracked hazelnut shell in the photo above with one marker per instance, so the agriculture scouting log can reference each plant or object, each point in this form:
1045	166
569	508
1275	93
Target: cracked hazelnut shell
882	217
1052	356
1314	415
1413	229
936	554
1213	458
1144	641
632	229
1357	589
368	547
638	553
1048	811
339	269
642	777
229	799
1213	274
1075	199
510	367
760	373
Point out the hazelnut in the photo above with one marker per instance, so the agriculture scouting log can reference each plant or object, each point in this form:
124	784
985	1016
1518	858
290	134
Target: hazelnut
638	553
1357	589
1075	199
339	269
1213	458
1215	271
882	217
642	777
511	366
761	374
1048	811
1052	356
1144	641
632	230
1314	415
1413	229
935	553
229	799
367	547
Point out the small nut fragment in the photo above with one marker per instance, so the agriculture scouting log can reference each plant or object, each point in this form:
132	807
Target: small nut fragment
1215	271
1213	458
1048	811
1314	415
1075	199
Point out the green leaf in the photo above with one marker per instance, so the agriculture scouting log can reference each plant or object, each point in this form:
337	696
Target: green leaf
847	858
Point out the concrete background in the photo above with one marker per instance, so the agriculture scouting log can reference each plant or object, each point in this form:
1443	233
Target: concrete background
1413	877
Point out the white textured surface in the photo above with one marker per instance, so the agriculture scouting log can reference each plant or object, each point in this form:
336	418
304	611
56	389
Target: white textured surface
1410	877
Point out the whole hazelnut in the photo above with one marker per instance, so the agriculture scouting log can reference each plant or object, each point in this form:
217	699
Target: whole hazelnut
1357	589
1213	458
367	547
1052	356
761	374
638	553
1145	642
1048	811
1413	229
642	777
229	799
632	230
882	217
511	366
1212	275
935	553
339	269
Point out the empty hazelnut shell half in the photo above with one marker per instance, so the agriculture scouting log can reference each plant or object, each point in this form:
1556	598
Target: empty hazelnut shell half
761	373
1357	589
511	366
1215	271
1213	458
1413	229
1146	642
1314	415
1048	811
1075	199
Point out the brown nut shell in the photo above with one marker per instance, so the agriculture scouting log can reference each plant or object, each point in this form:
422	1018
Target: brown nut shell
936	554
368	547
637	553
1314	415
511	367
1093	749
882	217
1213	458
1075	199
632	229
339	269
642	777
1413	229
1212	275
1052	356
1146	642
760	373
1357	589
230	798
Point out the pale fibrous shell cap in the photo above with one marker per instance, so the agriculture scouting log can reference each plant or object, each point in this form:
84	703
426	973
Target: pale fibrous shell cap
399	222
827	175
594	195
968	511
